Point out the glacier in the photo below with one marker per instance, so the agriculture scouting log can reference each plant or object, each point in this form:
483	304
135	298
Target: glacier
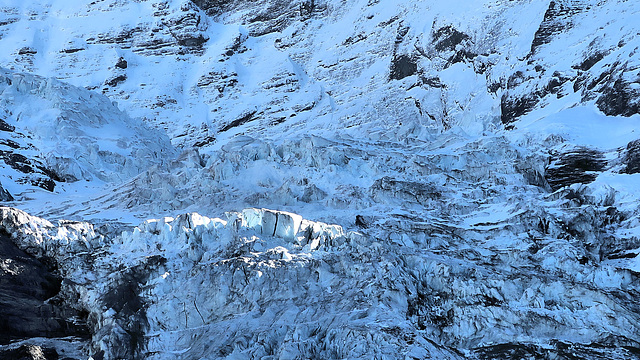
312	179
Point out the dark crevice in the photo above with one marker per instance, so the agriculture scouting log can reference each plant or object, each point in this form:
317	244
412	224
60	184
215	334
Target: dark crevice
275	226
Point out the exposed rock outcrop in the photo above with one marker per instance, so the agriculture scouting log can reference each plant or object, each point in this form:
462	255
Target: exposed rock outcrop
31	302
575	166
632	158
4	194
557	19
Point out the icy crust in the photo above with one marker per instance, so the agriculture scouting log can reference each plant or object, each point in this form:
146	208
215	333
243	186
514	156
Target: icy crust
72	133
270	283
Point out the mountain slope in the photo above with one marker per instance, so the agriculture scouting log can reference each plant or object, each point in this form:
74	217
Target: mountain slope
479	159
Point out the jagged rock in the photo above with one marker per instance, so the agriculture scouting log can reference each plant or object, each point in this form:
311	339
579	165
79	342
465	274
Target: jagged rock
632	157
71	50
27	51
511	108
220	81
240	121
37	174
454	44
269	16
576	166
4	194
362	222
124	37
193	42
9	143
591	60
521	96
179	30
555	83
43	183
464	55
115	80
6	127
122	63
447	38
402	66
556	20
620	98
186	26
213	6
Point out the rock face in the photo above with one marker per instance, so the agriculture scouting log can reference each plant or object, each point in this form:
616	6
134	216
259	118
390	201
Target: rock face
620	97
633	157
576	166
557	19
31	303
401	67
4	194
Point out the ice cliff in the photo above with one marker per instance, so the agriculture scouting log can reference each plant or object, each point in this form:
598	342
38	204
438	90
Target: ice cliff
264	283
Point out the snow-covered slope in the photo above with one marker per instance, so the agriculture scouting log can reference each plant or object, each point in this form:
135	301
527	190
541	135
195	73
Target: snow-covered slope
364	75
480	161
62	139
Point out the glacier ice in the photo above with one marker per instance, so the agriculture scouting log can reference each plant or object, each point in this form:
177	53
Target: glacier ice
198	287
402	179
